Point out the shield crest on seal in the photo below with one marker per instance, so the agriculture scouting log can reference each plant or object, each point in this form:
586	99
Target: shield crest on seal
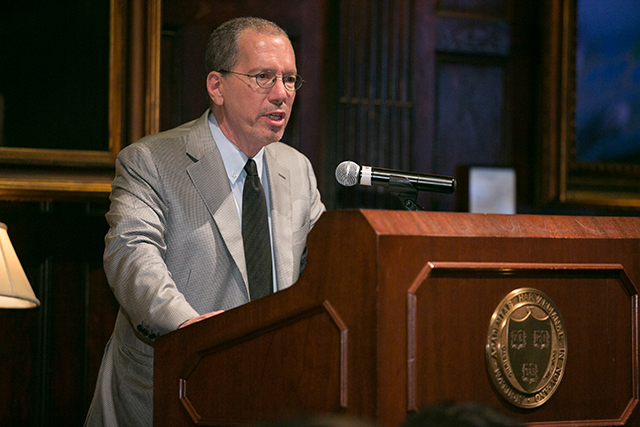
529	341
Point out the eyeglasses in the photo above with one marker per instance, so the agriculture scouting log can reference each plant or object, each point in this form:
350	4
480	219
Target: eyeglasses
267	79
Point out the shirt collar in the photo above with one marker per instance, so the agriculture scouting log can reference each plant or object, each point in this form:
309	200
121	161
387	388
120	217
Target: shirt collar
233	159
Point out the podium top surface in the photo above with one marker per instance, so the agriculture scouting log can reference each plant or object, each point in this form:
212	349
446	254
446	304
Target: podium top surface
390	222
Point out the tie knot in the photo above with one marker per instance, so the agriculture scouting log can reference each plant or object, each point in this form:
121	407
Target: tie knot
251	168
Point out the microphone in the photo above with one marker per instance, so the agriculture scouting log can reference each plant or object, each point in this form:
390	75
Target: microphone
349	174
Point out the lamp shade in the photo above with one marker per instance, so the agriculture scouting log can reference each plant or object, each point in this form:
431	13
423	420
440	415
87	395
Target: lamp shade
15	290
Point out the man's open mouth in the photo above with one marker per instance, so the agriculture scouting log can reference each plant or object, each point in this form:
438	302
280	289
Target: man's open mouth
276	116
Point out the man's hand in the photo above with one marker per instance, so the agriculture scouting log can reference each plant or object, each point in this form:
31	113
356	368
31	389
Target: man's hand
199	318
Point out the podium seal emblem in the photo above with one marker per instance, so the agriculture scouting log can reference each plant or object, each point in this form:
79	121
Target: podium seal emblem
526	348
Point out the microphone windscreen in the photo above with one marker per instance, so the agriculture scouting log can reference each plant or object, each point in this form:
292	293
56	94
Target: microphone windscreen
347	173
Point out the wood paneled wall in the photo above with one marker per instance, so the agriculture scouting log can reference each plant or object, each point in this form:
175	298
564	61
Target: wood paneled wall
427	86
49	356
422	85
375	102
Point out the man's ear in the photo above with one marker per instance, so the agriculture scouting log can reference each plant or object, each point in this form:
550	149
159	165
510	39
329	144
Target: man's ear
213	87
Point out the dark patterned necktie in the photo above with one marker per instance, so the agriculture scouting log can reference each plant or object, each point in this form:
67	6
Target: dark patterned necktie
255	234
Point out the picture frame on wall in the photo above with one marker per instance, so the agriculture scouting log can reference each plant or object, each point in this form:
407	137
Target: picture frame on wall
591	103
75	97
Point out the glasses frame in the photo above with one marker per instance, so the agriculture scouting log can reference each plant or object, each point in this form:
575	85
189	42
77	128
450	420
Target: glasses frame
273	81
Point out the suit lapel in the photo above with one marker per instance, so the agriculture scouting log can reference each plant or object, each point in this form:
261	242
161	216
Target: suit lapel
210	179
281	218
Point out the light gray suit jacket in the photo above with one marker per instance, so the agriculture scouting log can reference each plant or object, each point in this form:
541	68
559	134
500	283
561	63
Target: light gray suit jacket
174	251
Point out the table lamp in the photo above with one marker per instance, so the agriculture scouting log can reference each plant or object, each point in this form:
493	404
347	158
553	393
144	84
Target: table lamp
15	290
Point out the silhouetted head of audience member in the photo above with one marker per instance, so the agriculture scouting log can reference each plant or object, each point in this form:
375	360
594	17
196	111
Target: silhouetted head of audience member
459	414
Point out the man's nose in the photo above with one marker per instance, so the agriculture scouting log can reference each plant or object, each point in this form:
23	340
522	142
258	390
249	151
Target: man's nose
279	92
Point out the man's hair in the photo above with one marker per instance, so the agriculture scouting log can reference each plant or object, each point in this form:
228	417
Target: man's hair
459	414
223	49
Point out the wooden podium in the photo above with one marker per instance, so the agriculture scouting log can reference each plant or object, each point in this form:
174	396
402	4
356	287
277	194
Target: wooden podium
393	312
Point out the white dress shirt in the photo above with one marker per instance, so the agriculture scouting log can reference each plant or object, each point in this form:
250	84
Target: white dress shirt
234	161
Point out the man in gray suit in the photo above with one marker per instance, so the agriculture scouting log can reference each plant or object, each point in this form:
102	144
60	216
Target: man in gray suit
175	252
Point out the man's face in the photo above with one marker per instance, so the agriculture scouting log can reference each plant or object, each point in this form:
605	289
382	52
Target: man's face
251	116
